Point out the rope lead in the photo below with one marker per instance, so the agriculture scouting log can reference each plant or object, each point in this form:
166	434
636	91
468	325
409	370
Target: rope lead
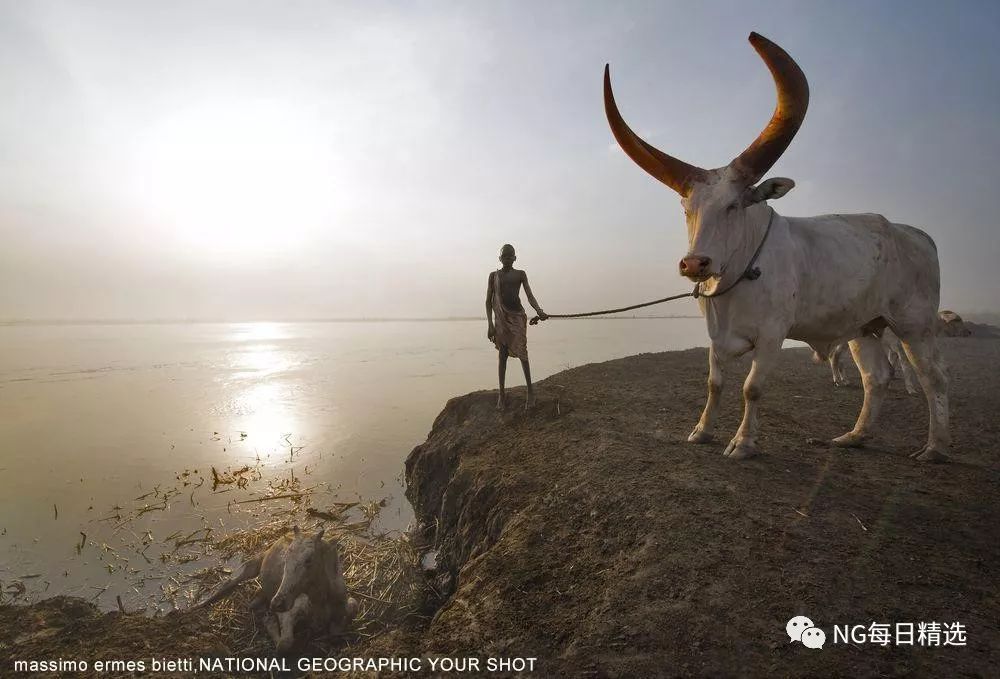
751	273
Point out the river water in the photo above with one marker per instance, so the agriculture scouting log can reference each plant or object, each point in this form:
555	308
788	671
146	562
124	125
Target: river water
95	417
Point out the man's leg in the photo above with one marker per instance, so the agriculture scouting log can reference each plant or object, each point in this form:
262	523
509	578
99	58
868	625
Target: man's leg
527	380
502	372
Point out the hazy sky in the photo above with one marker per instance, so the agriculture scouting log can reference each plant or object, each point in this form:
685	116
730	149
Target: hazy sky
256	160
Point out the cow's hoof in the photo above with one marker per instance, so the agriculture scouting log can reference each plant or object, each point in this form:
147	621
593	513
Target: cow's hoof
926	454
699	435
842	383
741	451
850	440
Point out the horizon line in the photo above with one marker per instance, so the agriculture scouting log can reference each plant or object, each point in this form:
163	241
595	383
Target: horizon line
349	319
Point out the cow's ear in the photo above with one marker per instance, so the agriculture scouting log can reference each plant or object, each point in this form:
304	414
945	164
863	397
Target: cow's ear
771	189
319	535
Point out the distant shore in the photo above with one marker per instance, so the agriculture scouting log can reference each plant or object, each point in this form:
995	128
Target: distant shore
416	319
978	318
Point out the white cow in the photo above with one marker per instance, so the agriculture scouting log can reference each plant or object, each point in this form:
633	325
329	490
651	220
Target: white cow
822	280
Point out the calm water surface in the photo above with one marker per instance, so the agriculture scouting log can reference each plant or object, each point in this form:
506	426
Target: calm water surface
94	416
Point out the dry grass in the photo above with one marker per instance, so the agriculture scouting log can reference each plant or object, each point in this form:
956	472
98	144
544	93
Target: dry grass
380	572
174	571
380	569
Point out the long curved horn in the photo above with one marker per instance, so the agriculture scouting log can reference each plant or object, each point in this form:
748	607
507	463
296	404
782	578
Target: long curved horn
675	173
793	100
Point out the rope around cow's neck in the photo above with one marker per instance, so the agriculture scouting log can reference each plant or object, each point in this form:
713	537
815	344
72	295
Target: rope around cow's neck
751	273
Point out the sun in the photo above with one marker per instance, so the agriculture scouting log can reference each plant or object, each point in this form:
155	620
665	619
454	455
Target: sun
236	177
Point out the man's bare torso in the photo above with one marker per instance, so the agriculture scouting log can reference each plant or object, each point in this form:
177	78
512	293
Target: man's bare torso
510	288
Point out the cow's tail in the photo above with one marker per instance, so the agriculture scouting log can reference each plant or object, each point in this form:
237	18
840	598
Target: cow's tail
248	571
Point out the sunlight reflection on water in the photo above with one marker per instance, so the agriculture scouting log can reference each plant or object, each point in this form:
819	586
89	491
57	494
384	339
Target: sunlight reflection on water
260	360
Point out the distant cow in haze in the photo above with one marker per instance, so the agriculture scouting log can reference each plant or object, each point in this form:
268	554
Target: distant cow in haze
893	351
822	280
836	362
952	325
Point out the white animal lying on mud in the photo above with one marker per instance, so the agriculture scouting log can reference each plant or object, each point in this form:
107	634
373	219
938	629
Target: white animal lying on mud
822	280
300	580
893	351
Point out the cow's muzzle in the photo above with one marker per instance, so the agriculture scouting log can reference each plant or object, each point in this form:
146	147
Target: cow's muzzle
695	267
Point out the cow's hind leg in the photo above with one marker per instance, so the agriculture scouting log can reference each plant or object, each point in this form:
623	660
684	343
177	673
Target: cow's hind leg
704	431
875	375
923	354
744	444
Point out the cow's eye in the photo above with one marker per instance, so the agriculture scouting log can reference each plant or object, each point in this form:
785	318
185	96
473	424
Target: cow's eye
731	207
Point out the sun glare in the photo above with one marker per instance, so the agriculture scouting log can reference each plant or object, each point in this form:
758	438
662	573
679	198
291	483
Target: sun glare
258	331
238	178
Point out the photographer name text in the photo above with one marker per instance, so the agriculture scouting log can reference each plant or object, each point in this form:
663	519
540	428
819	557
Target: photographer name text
282	664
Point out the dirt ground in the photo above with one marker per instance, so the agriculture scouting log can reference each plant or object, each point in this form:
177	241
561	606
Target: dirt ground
589	534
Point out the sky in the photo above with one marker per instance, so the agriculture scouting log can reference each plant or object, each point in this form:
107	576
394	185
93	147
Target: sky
291	160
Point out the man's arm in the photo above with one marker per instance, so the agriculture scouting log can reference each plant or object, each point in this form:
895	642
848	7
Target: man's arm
531	297
489	308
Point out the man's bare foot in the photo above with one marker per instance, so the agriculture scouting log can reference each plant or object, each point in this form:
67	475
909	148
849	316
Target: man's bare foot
502	402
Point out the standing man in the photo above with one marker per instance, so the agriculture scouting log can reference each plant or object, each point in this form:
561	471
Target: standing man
510	331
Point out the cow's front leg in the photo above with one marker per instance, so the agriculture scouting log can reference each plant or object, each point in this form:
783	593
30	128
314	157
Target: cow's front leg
704	431
744	444
287	621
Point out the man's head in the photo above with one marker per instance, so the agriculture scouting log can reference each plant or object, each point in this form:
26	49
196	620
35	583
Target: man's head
507	255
